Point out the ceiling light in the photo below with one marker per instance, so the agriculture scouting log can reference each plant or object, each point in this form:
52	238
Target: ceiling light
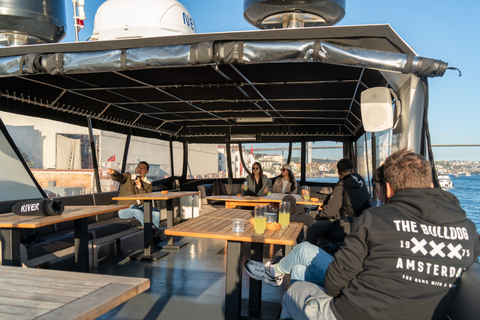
243	137
254	119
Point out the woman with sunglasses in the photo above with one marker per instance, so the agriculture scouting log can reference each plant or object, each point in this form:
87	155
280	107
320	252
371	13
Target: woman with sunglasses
257	182
285	183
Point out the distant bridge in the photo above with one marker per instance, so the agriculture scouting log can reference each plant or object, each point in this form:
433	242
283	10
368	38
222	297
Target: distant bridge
455	145
339	147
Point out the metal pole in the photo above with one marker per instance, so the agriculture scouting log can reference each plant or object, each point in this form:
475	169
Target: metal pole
75	19
94	156
125	151
171	156
229	163
303	171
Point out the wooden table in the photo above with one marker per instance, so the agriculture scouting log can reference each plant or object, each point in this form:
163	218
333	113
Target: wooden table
234	201
29	293
11	225
218	225
148	253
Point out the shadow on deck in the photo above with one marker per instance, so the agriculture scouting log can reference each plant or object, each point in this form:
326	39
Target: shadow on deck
187	284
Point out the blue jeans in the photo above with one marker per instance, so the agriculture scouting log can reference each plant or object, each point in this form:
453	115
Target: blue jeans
137	212
306	262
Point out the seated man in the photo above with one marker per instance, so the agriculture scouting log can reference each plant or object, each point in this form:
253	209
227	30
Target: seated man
348	199
136	184
401	260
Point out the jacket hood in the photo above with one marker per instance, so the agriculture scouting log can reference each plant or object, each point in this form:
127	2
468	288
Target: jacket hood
294	207
353	180
432	204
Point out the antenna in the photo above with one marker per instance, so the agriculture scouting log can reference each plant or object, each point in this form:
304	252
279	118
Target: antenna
78	7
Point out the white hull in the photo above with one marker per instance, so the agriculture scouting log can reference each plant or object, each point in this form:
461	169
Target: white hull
445	182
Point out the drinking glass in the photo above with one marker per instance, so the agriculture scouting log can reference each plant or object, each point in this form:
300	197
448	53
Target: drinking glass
271	217
260	221
238	225
306	193
245	186
284	214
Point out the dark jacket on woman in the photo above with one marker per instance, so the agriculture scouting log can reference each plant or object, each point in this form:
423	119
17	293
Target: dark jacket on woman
266	182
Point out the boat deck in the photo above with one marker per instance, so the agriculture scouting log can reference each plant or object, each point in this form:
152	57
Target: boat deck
187	284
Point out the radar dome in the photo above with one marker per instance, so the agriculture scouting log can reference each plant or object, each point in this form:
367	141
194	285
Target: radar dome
31	22
273	14
125	19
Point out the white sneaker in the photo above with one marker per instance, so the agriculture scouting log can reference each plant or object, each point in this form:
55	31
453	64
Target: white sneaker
259	271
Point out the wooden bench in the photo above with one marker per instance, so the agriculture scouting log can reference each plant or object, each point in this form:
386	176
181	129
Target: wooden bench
57	240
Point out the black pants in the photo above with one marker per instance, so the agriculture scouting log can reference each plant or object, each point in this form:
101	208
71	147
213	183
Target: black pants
319	230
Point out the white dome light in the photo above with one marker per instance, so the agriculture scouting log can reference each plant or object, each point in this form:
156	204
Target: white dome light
126	19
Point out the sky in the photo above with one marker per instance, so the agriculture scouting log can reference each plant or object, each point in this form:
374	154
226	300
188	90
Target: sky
440	29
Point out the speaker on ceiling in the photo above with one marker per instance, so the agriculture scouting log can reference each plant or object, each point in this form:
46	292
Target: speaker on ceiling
377	110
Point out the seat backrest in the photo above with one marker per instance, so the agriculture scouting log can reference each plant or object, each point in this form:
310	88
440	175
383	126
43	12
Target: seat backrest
233	188
81	200
218	188
205	190
104	198
466	303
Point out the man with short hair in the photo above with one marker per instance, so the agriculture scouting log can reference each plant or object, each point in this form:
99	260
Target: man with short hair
348	199
401	260
136	184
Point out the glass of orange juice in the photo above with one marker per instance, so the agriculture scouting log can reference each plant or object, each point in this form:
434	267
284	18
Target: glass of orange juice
306	193
284	214
260	222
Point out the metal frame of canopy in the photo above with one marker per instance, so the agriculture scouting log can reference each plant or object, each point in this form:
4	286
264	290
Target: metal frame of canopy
193	88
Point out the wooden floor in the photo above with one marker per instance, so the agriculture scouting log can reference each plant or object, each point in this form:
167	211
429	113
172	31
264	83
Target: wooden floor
187	284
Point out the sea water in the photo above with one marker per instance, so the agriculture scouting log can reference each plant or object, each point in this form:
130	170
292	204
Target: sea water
466	189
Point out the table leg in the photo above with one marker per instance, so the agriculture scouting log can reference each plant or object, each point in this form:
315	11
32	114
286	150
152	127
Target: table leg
11	247
233	284
148	253
287	280
80	227
287	250
147	228
255	289
171	244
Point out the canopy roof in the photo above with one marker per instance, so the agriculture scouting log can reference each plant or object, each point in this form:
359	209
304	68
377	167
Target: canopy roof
195	87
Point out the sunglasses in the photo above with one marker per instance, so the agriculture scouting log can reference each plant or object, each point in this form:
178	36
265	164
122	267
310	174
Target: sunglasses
379	182
284	169
256	168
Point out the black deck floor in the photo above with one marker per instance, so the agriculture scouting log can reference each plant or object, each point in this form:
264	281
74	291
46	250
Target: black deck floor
187	284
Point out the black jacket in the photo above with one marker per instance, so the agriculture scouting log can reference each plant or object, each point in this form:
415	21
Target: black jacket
297	212
401	260
349	198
